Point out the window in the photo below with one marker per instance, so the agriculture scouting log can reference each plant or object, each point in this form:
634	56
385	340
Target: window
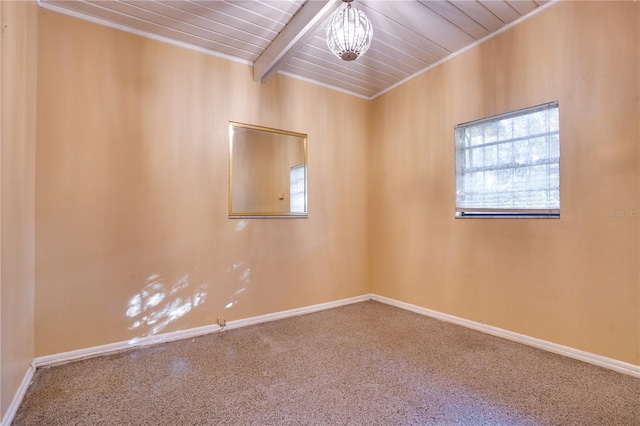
509	165
297	190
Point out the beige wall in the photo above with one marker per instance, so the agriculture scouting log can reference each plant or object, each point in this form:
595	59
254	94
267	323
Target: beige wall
573	281
18	54
131	175
131	191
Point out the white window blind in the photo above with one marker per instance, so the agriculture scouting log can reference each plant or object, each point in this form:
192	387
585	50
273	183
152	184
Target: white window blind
509	165
297	190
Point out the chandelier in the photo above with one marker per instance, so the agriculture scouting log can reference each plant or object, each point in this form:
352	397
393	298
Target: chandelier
349	33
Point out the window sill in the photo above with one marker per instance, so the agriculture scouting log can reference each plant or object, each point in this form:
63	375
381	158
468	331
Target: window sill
513	215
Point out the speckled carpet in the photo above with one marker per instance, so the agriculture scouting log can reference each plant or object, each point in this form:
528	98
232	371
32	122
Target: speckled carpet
362	364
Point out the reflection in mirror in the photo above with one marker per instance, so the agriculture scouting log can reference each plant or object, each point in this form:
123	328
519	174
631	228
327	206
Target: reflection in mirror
267	172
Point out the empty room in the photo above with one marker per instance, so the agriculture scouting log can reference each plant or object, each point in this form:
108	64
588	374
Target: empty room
320	212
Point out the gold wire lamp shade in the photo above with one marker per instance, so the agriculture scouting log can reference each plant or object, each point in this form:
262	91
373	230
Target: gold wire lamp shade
349	33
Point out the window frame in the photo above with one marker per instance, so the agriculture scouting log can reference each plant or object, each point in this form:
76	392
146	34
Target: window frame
293	185
497	212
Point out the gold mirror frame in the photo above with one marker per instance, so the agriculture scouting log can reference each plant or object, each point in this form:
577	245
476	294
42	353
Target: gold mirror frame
259	184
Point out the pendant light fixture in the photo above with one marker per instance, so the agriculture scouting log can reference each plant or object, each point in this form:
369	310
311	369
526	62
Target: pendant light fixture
349	33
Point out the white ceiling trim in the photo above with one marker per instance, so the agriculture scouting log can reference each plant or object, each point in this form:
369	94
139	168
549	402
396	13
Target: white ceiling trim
140	33
328	86
469	47
282	53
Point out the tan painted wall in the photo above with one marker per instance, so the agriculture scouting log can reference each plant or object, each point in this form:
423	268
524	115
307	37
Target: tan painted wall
573	281
18	55
131	202
131	191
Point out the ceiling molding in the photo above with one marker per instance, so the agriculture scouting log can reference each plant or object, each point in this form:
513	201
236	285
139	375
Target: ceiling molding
287	36
292	37
328	86
510	25
141	33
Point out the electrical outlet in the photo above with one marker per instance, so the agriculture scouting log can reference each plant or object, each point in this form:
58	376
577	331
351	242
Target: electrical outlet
222	322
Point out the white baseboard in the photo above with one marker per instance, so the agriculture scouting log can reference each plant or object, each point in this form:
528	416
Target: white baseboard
591	358
111	348
19	395
599	360
65	357
295	312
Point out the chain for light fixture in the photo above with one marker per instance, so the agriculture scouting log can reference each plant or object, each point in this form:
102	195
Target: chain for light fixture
349	33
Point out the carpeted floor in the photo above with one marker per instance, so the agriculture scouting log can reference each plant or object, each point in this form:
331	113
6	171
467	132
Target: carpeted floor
362	364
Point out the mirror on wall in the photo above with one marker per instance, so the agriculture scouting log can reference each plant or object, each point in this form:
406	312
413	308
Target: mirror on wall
267	172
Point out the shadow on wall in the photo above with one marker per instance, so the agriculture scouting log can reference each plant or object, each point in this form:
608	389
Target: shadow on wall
241	269
157	305
245	276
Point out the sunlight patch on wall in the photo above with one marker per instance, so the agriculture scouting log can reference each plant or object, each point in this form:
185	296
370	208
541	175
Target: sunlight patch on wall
158	305
245	276
234	266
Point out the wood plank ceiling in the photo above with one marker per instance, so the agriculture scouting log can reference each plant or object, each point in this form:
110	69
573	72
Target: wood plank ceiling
408	35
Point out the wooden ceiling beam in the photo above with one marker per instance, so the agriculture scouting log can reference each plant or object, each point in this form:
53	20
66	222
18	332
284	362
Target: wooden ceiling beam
292	37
